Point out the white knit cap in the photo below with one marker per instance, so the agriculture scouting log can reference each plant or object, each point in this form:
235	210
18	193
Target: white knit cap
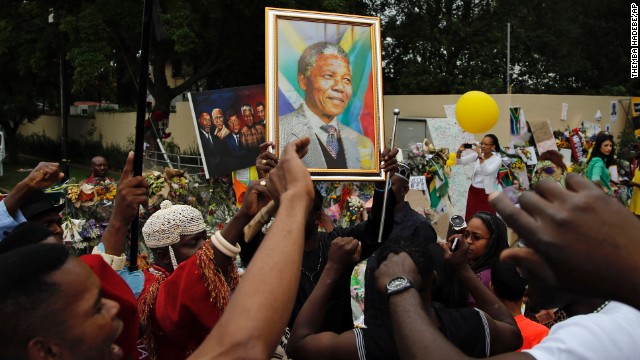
164	227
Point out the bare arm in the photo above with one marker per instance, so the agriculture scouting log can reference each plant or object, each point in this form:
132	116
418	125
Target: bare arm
43	176
587	249
505	334
267	291
254	199
416	336
467	159
131	193
307	340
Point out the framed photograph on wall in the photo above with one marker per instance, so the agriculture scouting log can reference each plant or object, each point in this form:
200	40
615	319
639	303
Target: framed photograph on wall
324	81
230	125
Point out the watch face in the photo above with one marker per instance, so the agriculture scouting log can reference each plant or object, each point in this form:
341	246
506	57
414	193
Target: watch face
397	283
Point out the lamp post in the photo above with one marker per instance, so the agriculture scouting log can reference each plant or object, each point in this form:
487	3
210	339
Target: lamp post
64	109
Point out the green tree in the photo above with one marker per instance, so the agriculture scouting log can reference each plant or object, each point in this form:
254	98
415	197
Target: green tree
439	47
452	46
214	43
29	67
218	43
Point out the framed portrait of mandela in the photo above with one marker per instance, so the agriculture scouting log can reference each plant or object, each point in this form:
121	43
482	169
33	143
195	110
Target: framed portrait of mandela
324	82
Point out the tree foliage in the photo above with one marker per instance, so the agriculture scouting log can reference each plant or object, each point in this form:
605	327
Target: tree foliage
429	47
452	46
217	44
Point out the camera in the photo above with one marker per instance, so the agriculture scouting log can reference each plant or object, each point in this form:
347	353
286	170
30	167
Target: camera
467	146
457	222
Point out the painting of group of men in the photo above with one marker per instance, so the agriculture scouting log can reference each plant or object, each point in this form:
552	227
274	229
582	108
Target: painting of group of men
230	135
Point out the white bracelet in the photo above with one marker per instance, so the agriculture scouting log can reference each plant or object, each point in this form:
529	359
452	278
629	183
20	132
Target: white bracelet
227	245
216	243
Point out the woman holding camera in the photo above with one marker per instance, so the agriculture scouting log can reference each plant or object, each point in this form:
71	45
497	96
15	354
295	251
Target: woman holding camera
486	157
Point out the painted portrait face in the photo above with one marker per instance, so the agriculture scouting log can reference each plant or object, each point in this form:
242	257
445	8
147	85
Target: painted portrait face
234	124
606	147
328	87
205	122
218	118
248	117
260	112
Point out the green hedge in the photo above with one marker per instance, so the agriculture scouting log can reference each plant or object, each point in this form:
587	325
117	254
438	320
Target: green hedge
80	152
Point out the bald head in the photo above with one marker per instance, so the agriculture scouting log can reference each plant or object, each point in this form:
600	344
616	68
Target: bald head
99	167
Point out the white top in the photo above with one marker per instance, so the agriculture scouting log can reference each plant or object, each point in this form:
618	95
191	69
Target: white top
613	333
485	175
316	123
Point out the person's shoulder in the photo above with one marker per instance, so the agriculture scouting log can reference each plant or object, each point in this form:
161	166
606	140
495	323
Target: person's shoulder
609	334
530	326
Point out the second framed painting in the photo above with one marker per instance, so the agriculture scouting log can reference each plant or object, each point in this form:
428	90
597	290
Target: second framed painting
324	79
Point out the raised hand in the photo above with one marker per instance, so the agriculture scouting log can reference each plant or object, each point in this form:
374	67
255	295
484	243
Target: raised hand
44	175
130	194
579	238
255	198
290	175
344	252
457	259
388	161
266	160
397	265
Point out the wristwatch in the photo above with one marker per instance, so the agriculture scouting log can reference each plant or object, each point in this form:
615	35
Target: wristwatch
398	285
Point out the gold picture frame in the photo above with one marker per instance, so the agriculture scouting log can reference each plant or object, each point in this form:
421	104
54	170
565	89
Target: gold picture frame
325	69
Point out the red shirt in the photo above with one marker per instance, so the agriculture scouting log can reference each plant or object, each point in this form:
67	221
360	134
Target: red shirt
185	310
532	332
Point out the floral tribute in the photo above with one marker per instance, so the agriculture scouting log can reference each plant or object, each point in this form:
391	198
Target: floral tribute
425	160
87	212
88	207
346	202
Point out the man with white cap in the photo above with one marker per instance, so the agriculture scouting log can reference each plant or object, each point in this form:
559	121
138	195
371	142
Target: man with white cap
188	286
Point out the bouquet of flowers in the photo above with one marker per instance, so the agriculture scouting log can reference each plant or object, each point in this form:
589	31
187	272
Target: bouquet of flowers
345	202
213	197
424	159
518	165
356	210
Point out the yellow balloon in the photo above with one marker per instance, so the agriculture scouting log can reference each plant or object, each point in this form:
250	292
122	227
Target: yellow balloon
452	156
450	163
476	112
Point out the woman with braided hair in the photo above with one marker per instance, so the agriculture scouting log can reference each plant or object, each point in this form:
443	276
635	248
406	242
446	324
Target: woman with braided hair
486	236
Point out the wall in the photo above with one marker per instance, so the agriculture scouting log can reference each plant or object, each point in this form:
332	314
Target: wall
536	107
117	127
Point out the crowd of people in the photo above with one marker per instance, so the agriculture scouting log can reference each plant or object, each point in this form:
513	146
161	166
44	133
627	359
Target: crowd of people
467	296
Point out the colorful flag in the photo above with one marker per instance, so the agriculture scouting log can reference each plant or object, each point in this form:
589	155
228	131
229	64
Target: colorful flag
517	120
514	120
438	189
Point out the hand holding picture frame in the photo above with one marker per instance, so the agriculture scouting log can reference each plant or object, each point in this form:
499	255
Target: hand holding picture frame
324	81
